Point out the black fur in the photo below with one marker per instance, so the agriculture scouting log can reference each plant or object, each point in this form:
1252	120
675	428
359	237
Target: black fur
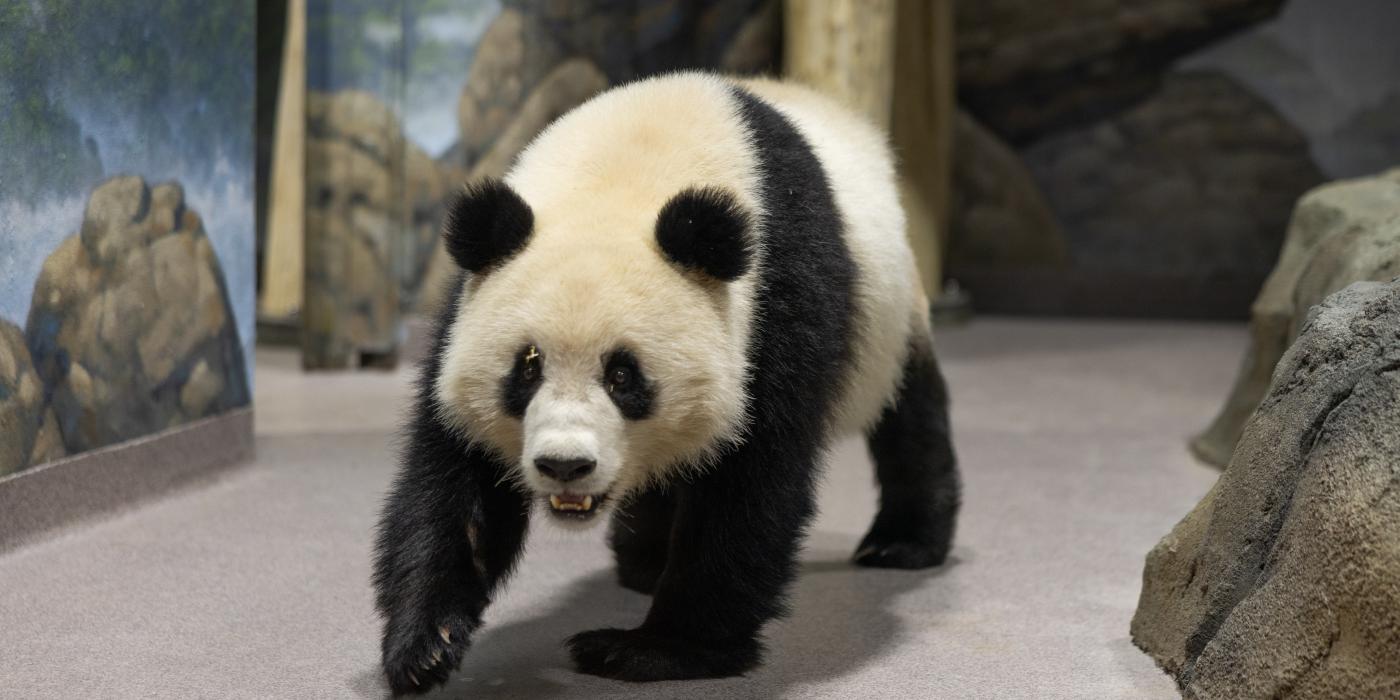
486	224
634	399
449	534
705	229
914	461
738	527
518	387
640	534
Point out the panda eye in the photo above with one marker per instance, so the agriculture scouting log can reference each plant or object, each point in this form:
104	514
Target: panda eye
531	364
619	377
628	385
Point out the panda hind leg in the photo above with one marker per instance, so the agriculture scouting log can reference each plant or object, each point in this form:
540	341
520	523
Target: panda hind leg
917	471
640	536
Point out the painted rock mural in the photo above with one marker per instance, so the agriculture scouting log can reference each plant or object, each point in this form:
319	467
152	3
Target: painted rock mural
27	424
130	330
127	251
375	203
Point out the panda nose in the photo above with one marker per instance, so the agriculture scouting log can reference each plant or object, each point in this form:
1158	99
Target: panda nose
564	469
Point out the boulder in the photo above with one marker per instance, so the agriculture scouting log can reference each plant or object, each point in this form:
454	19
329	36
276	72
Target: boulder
999	215
502	73
28	430
375	202
568	85
1285	579
1029	69
1340	233
1195	182
123	314
753	49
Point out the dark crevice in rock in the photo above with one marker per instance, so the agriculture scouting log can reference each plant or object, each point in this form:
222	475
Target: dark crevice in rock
1257	563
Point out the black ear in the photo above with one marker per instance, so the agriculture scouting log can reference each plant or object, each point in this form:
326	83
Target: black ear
486	224
705	229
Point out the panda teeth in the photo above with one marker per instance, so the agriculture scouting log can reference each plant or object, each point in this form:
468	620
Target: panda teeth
559	504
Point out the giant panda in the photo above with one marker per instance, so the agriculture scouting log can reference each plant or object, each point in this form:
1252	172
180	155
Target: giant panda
683	291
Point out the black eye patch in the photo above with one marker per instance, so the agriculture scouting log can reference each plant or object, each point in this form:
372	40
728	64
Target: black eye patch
518	387
627	386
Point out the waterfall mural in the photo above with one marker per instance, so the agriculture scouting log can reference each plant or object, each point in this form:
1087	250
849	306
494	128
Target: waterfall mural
126	220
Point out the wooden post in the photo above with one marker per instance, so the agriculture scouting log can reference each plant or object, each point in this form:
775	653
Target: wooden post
844	48
892	60
282	264
921	128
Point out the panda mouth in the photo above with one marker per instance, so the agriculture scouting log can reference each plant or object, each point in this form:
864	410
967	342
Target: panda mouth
576	506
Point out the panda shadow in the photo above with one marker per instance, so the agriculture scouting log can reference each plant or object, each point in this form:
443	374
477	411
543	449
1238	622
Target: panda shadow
841	620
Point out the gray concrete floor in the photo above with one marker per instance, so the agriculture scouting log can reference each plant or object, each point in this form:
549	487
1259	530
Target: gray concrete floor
255	584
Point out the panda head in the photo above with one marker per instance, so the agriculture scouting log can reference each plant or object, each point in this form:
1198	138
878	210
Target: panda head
599	347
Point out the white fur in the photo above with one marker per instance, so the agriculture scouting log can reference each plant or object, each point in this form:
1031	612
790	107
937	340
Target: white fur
565	424
592	278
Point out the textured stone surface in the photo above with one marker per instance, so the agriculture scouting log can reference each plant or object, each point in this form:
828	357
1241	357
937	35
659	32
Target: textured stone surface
1027	69
28	430
568	85
1340	233
1285	580
124	313
360	140
1197	180
999	215
375	203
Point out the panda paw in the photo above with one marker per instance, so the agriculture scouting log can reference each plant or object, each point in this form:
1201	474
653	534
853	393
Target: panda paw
638	655
887	552
419	656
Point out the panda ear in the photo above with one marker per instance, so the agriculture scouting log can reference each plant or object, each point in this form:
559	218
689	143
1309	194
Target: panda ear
706	230
486	224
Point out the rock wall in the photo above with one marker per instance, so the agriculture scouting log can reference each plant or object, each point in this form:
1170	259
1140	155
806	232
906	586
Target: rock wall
374	208
130	329
1285	579
1029	69
28	430
999	214
1167	191
1198	177
1339	233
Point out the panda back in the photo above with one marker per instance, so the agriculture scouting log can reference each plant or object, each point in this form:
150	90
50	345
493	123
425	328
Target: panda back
889	304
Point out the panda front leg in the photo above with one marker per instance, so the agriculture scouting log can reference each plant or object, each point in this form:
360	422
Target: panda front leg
451	531
640	538
733	550
915	465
